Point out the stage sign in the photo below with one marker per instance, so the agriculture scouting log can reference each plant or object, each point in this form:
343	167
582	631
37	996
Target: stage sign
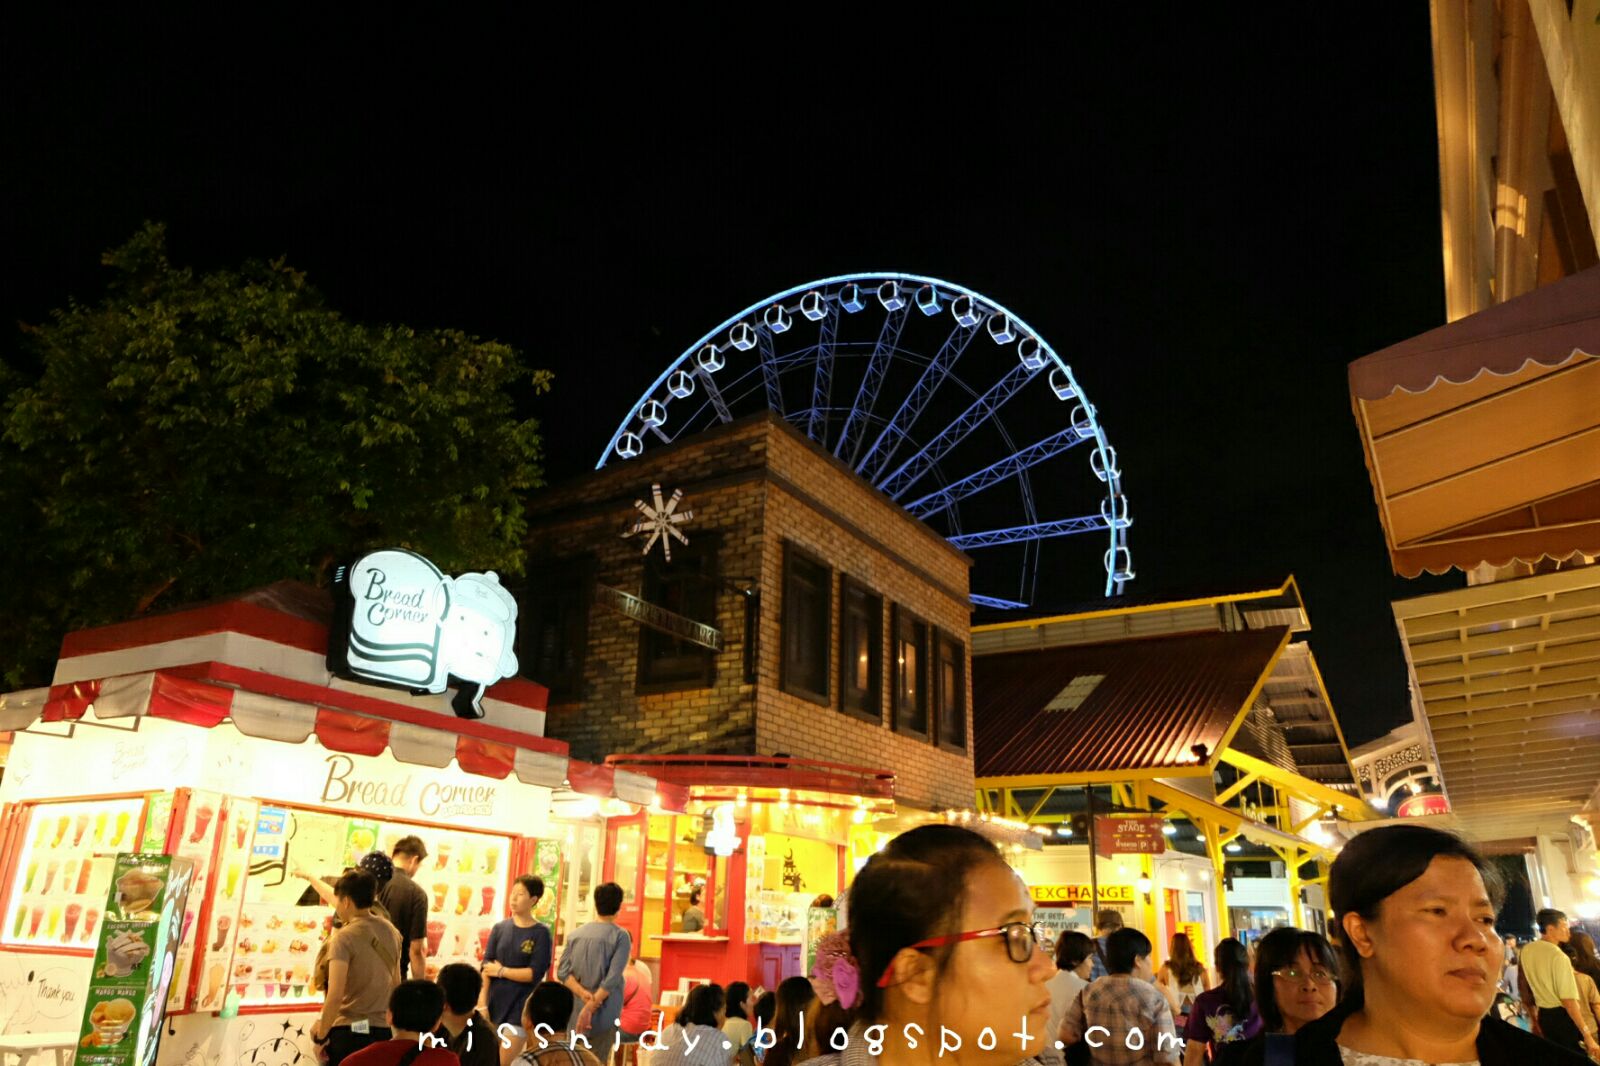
1129	836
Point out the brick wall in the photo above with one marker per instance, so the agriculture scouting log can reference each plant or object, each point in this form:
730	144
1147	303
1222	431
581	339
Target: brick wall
752	485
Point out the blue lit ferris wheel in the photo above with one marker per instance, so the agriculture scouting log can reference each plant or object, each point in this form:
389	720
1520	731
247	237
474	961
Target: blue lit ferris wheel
918	385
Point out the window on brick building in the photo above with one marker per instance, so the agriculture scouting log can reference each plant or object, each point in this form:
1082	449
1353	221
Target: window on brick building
807	624
950	688
860	650
687	586
553	625
910	673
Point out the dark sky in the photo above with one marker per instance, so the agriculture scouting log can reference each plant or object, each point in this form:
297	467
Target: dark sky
1209	215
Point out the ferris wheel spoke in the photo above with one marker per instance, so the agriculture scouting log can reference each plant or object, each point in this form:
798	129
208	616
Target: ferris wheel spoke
867	395
769	371
1009	467
1061	527
822	386
995	602
714	394
894	434
982	410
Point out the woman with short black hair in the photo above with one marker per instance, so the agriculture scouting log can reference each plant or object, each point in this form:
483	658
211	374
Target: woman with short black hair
1297	979
1415	908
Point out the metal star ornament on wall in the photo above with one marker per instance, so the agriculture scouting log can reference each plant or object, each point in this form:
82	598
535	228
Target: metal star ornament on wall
661	521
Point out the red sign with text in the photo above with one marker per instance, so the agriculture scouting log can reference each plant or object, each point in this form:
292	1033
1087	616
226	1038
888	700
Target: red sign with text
1129	836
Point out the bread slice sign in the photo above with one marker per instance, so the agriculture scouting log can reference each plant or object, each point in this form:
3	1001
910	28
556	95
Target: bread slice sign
400	621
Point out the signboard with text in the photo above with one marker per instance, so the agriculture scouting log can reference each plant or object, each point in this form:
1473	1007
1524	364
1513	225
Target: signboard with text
1070	895
402	622
1129	836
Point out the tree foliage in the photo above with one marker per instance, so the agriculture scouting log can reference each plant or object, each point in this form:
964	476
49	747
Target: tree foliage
193	435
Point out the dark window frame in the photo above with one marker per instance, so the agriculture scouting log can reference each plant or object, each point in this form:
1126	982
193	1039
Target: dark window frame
705	581
944	641
796	560
904	621
562	586
873	711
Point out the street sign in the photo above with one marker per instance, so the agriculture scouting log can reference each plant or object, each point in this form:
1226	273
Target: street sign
1129	836
658	618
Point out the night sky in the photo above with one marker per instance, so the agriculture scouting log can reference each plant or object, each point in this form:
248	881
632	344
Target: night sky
1208	219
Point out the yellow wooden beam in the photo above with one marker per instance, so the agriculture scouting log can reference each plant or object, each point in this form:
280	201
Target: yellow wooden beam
1234	789
1037	807
1351	807
1102	778
1317	817
1209	601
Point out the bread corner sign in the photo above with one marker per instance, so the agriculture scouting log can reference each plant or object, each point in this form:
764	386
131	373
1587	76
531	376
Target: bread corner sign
399	621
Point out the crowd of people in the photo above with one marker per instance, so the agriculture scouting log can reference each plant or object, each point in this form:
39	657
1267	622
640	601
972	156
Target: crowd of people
941	958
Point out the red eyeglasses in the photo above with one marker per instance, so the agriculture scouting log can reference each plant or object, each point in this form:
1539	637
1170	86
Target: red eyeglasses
1021	940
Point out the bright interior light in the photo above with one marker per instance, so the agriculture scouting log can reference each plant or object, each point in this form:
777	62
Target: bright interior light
1144	885
1232	848
1169	829
1200	838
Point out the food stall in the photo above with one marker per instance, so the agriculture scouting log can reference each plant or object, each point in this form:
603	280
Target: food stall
761	839
217	735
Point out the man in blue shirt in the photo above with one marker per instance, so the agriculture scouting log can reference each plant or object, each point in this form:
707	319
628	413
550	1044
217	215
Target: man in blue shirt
1106	922
592	965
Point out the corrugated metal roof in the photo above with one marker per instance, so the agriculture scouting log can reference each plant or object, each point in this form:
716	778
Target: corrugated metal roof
1160	697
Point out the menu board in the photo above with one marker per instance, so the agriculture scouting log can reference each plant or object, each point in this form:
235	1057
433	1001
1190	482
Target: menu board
465	876
134	960
281	924
227	894
64	870
547	867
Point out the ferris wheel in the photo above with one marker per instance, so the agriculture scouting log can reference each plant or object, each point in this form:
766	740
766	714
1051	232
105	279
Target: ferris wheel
937	396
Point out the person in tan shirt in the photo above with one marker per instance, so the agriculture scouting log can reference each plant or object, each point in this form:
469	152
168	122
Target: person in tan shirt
363	969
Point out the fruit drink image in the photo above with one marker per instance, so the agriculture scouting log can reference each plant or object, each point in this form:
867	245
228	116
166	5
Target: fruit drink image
74	912
89	921
443	859
439	891
463	898
241	826
61	830
44	831
49	877
84	871
232	883
202	821
54	923
16	927
122	828
79	825
33	870
213	982
100	826
483	941
69	874
224	923
35	920
488	899
492	857
435	935
465	865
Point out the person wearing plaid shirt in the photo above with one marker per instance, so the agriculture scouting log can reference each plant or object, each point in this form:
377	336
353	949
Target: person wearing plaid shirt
1124	1019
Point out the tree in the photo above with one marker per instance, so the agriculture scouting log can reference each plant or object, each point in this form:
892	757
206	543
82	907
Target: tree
193	435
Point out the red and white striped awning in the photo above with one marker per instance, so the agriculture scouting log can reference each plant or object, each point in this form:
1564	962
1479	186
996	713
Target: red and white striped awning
204	703
258	663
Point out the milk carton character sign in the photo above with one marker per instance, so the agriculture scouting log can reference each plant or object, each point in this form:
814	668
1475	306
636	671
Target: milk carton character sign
400	621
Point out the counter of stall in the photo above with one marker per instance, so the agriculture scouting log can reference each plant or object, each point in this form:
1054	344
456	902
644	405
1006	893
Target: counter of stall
741	887
254	816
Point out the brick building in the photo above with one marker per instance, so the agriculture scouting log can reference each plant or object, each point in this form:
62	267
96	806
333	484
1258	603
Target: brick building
843	621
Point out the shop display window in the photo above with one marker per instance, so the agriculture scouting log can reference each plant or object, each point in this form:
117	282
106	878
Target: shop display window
63	870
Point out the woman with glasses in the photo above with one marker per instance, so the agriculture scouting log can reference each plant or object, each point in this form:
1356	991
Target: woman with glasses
941	935
1415	908
1223	1020
1297	979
